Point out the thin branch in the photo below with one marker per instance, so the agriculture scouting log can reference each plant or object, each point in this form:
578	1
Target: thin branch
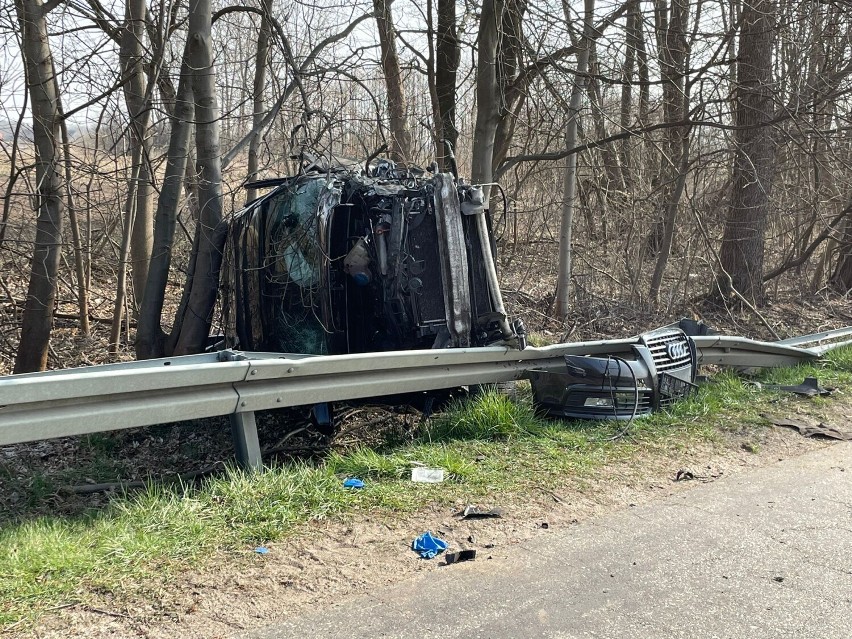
50	5
228	157
98	97
628	133
805	255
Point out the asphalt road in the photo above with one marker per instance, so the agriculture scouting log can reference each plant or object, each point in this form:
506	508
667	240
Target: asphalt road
764	555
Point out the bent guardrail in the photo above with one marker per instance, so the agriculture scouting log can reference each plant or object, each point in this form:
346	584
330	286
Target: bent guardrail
81	401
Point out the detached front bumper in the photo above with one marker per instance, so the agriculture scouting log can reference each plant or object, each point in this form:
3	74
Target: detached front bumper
660	371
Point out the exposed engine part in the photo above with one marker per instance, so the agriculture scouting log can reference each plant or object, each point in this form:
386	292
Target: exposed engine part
338	261
491	270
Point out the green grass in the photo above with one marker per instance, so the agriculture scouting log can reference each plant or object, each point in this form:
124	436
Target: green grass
487	445
489	416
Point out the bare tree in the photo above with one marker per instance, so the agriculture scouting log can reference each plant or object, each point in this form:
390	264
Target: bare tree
447	54
192	324
487	121
566	225
742	252
259	88
138	213
150	337
673	55
45	107
632	39
400	143
487	107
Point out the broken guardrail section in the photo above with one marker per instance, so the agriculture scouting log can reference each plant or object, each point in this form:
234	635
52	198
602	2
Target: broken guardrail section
79	401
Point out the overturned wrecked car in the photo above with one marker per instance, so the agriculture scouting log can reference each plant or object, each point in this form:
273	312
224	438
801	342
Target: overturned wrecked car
340	259
346	258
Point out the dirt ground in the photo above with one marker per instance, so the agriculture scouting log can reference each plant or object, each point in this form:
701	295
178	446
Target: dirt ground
336	560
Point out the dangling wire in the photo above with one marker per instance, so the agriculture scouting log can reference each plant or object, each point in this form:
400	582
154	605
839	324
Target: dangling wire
632	417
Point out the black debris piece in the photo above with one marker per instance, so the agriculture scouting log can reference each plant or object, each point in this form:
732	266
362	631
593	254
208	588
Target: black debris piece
461	555
695	328
809	388
807	429
480	512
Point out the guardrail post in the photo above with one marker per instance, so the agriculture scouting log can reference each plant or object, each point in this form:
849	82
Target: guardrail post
246	443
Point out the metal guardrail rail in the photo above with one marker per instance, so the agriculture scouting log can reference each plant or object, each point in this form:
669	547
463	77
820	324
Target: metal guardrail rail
80	401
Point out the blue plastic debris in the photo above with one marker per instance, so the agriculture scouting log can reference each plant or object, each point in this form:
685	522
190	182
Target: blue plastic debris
353	482
261	550
428	546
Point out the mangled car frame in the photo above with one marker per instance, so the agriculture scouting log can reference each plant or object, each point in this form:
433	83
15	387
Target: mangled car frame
347	258
339	261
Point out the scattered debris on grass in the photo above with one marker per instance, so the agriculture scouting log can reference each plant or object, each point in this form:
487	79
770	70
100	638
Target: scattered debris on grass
427	475
809	388
684	474
810	429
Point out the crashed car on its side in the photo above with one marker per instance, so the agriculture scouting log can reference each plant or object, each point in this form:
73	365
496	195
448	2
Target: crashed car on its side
342	259
347	258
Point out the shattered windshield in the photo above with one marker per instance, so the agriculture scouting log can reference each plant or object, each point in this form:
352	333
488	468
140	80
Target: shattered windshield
274	264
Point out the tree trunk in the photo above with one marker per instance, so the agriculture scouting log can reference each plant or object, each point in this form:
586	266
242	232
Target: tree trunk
437	123
566	228
632	38
182	107
400	143
741	255
609	157
76	239
487	118
196	317
643	73
673	62
670	217
150	337
841	278
512	92
44	104
447	56
258	103
14	171
124	251
132	54
487	103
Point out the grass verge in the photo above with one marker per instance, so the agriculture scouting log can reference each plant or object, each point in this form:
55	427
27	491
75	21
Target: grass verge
487	445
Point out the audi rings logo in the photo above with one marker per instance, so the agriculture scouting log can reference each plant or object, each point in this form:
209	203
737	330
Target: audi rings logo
677	350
